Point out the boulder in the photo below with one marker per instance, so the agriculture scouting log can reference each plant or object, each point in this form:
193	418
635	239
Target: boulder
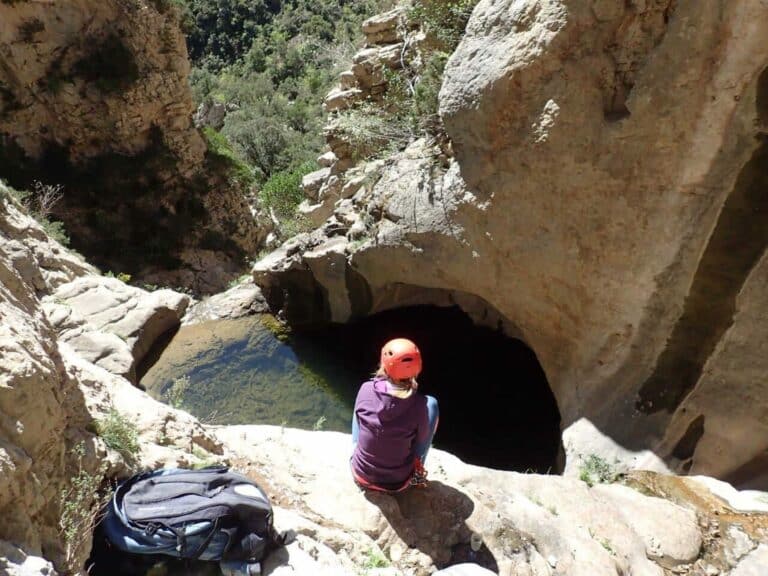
15	562
312	182
103	318
341	99
753	564
327	160
241	300
384	28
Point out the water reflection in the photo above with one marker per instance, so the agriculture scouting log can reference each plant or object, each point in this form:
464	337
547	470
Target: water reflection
240	373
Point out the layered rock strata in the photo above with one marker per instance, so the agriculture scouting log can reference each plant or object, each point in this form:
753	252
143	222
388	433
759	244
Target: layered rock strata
391	44
94	96
67	336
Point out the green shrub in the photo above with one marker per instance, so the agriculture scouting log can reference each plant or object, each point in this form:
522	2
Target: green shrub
282	192
55	230
38	204
425	101
280	330
119	433
274	62
374	559
443	20
595	469
319	423
369	130
80	503
122	276
221	151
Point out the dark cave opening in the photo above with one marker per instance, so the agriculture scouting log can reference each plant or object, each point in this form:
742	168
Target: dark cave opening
496	407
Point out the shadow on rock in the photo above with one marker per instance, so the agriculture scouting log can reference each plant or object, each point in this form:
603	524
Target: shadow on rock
433	520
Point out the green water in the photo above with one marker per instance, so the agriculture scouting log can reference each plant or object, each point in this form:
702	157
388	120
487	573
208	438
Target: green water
239	372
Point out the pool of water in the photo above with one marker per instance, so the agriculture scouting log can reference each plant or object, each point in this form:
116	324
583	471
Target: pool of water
240	372
496	407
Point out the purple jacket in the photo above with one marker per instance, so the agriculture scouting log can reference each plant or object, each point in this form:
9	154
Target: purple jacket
389	430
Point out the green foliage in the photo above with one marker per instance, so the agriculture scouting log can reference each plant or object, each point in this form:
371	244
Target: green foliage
80	502
319	423
280	330
605	543
410	104
220	152
369	130
374	559
237	281
119	433
425	102
443	20
595	469
274	62
282	192
296	224
38	204
122	276
174	395
55	230
19	197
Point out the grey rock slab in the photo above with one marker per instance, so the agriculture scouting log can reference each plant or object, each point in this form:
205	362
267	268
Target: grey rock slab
754	564
670	532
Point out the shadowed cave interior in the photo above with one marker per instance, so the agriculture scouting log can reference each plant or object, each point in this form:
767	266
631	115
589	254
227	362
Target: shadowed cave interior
496	407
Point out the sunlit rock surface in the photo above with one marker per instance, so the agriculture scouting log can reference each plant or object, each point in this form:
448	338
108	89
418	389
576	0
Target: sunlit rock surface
603	198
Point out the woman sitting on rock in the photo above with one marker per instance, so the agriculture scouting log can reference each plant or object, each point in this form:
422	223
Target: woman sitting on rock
393	425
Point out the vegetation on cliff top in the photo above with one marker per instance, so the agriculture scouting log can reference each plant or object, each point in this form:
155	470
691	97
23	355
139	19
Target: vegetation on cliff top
410	104
272	63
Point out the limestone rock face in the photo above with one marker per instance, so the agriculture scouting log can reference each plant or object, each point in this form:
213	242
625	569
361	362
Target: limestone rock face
631	173
94	96
111	324
605	200
66	338
36	393
525	523
52	394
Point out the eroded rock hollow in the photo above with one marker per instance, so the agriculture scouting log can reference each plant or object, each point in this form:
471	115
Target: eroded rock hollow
493	395
605	195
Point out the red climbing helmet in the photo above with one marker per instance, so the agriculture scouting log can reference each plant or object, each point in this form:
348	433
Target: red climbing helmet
401	359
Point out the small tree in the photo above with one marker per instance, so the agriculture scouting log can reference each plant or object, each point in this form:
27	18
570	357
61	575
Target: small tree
119	433
81	504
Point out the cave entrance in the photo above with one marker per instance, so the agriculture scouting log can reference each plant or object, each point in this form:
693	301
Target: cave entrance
496	406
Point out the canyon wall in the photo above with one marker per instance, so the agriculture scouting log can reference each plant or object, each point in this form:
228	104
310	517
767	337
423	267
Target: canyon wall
94	96
603	198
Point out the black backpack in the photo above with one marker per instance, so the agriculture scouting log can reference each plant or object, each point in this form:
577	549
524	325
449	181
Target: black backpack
209	514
